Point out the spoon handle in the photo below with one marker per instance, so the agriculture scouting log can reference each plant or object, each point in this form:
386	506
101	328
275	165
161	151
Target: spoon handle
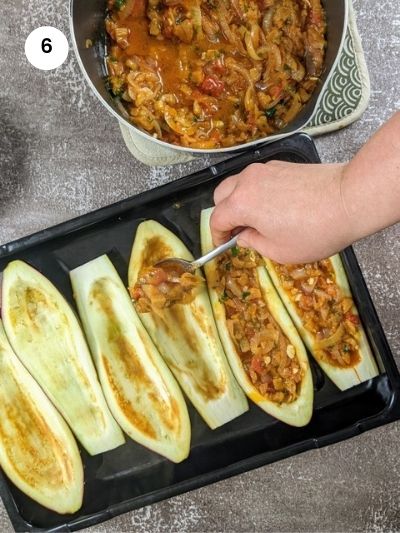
217	251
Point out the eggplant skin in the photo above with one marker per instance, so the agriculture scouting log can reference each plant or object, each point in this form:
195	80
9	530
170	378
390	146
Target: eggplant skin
140	390
186	335
343	378
46	336
297	413
37	449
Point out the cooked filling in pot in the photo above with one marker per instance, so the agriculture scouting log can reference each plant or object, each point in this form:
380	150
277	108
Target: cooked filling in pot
214	73
158	288
267	356
324	310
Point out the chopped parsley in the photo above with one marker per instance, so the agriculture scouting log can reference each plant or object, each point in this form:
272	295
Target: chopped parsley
228	265
119	4
245	294
269	113
235	251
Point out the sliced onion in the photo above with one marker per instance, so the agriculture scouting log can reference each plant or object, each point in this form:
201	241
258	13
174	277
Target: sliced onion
234	287
250	47
321	294
249	99
299	72
298	273
267	20
332	340
308	287
293	109
255	35
209	28
237	8
157	127
223	22
275	56
231	64
178	125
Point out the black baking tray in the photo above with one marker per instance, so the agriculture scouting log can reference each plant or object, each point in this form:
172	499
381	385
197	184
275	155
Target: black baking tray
131	476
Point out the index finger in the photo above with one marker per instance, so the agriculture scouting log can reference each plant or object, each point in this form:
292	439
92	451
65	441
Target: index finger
225	189
224	219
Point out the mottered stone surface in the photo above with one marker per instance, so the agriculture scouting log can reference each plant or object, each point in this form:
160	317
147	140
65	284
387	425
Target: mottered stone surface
62	155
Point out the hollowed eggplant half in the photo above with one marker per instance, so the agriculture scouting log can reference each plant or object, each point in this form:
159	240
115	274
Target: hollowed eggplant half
186	335
37	450
140	389
260	369
46	336
361	367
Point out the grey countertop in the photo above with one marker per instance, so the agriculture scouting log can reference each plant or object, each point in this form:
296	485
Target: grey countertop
62	155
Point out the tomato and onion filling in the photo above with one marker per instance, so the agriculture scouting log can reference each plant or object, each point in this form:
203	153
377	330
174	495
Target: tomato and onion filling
158	288
325	311
268	358
214	73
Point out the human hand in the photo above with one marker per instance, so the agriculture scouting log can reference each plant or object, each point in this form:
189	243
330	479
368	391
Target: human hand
293	213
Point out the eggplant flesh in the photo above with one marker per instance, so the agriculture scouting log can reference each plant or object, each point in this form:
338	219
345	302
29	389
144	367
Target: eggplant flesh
343	377
46	336
186	335
297	412
37	449
140	390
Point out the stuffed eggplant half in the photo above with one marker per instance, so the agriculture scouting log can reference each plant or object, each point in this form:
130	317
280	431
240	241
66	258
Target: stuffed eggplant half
184	333
318	297
46	336
140	390
264	349
37	450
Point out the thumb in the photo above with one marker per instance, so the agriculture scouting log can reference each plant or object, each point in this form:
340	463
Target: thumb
251	238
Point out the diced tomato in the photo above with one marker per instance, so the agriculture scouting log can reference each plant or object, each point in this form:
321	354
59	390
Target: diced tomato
212	86
275	91
352	318
256	365
214	68
136	293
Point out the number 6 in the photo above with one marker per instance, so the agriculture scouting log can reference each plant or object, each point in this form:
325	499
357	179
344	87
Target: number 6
46	46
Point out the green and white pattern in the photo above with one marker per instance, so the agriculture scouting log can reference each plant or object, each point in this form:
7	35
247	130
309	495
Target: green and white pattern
347	92
344	91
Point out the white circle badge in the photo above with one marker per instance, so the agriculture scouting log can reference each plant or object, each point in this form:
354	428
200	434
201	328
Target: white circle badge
46	48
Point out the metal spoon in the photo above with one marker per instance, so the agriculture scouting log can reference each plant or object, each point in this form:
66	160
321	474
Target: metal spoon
181	265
